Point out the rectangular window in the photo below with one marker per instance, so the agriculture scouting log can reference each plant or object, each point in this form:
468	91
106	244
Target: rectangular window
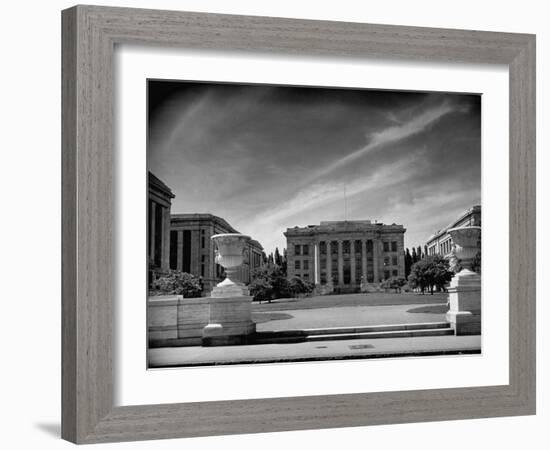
394	246
305	249
306	264
306	276
173	249
394	261
394	273
386	274
386	261
203	242
386	246
296	249
186	257
297	264
369	246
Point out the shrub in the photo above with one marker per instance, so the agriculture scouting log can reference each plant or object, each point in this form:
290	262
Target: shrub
297	287
432	271
269	282
261	289
177	283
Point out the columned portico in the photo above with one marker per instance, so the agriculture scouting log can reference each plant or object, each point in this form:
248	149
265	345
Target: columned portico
364	260
340	262
359	252
352	261
317	269
375	245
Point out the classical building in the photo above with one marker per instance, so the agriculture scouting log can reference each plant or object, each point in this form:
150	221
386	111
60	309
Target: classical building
440	243
342	255
192	251
158	226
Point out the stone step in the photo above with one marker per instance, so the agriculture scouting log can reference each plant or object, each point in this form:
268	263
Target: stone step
382	334
366	332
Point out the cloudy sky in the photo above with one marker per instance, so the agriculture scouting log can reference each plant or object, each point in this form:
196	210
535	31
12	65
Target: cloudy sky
266	158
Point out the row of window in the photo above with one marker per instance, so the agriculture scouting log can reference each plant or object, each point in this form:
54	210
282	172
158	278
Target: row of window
444	248
304	264
303	249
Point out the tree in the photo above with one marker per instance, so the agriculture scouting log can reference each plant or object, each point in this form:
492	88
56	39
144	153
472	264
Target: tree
177	283
261	289
277	258
419	254
432	271
268	283
408	263
414	256
284	263
297	287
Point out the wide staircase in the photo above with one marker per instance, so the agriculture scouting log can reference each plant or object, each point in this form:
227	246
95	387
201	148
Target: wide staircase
366	332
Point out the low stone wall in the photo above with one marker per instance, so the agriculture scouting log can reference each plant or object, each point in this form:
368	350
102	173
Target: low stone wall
176	321
192	317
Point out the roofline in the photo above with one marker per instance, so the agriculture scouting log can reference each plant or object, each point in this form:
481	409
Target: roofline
208	216
204	216
156	183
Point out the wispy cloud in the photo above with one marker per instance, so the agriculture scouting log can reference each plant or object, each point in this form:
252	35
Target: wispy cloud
326	193
387	136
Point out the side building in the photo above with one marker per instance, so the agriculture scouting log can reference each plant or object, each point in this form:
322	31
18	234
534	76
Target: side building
441	243
340	256
192	251
158	226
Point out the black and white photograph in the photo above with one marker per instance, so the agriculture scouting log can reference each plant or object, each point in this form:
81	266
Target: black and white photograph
311	223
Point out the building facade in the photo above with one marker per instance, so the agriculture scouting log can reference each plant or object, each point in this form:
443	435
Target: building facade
158	226
192	251
344	255
440	243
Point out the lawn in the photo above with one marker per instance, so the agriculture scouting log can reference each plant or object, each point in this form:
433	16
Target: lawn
331	301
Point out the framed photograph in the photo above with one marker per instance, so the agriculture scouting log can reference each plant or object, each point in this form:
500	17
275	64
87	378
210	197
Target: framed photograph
285	204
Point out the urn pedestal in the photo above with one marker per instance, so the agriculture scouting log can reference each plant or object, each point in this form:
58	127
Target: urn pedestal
230	321
464	313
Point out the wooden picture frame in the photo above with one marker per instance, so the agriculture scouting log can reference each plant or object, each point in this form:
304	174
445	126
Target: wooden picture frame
89	37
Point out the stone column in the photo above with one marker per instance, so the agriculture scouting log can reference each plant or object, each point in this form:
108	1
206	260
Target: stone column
364	260
340	263
352	260
317	263
329	262
179	260
166	239
152	234
375	245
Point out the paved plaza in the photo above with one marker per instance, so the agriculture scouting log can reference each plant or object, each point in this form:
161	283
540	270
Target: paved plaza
315	351
326	312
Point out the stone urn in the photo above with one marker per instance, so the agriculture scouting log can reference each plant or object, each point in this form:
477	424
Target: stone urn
464	313
465	240
230	318
230	250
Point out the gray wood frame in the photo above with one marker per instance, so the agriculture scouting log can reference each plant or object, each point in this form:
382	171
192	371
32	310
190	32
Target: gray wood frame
89	36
